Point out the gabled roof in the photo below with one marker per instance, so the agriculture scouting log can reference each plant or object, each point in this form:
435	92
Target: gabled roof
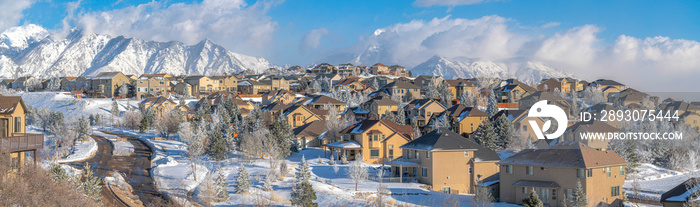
606	82
460	82
275	106
405	131
445	140
422	103
312	129
542	95
157	101
8	104
383	101
683	192
568	154
106	75
379	64
323	100
680	106
400	84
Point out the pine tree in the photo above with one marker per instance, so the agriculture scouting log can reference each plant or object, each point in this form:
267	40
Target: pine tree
533	200
486	135
492	107
242	180
115	108
83	129
400	116
218	147
505	131
269	178
91	118
283	133
579	199
91	184
303	193
221	192
145	125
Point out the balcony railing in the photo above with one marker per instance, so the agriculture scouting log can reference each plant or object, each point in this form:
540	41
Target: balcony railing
21	142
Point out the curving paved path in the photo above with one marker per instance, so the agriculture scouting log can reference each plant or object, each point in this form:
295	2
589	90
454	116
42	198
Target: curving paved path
136	167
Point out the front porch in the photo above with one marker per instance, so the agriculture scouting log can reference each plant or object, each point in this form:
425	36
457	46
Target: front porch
404	170
349	149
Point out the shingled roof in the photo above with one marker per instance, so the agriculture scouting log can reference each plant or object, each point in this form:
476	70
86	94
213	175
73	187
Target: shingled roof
8	104
447	140
568	154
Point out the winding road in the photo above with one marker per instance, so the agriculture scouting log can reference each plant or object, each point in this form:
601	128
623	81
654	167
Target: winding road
136	167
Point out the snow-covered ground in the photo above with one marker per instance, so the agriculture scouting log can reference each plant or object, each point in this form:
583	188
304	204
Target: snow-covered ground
121	148
654	181
81	151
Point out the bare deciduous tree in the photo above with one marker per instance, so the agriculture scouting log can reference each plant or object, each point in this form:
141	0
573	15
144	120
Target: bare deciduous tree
358	172
194	141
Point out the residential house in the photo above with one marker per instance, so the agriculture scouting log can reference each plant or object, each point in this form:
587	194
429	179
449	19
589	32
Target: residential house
596	112
320	101
464	120
683	194
380	106
401	89
66	83
554	173
349	69
310	134
200	86
521	123
22	83
152	85
553	99
331	78
420	110
379	69
513	92
353	85
254	87
281	96
14	141
573	133
106	84
298	115
80	83
277	83
446	162
630	96
605	83
324	68
459	86
565	85
162	106
377	140
397	70
228	83
424	81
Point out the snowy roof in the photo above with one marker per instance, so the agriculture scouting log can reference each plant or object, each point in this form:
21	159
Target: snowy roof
9	103
402	161
345	145
683	191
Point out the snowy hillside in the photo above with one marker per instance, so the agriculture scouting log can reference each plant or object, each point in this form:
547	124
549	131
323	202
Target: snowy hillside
523	69
31	50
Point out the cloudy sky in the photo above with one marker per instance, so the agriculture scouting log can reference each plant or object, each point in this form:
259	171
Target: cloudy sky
651	45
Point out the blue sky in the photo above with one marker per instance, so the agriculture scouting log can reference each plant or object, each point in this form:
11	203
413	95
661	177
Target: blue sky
633	41
347	21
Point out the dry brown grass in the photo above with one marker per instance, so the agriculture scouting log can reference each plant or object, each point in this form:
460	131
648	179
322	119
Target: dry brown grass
33	186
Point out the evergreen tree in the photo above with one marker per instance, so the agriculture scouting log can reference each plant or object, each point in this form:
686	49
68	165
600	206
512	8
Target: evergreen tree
579	199
91	118
83	129
269	178
242	180
203	110
91	184
492	107
221	192
401	116
486	135
505	131
303	193
533	200
218	147
145	125
284	134
98	119
115	108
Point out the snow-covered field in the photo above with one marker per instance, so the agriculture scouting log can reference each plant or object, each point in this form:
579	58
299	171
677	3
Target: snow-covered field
654	181
81	151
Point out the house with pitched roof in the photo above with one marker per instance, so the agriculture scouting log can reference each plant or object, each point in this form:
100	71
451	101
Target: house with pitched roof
106	84
14	141
379	69
380	106
200	85
281	96
420	110
299	114
446	162
162	105
573	133
310	134
554	173
377	140
683	194
459	86
464	120
521	122
513	91
399	88
630	96
397	70
228	83
152	85
254	87
321	101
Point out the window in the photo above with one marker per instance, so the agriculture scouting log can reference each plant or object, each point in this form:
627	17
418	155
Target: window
569	194
417	154
614	191
554	194
579	173
528	170
590	172
607	170
466	153
471	170
524	190
446	190
509	169
622	170
18	124
374	153
427	155
524	128
374	138
425	172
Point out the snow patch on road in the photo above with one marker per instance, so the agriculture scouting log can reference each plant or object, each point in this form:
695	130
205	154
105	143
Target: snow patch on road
81	152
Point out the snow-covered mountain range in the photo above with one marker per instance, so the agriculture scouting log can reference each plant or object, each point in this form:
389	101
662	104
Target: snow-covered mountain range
32	50
523	69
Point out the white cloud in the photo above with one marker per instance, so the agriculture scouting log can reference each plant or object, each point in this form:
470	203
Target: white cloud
429	3
550	24
650	63
232	23
12	12
312	39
